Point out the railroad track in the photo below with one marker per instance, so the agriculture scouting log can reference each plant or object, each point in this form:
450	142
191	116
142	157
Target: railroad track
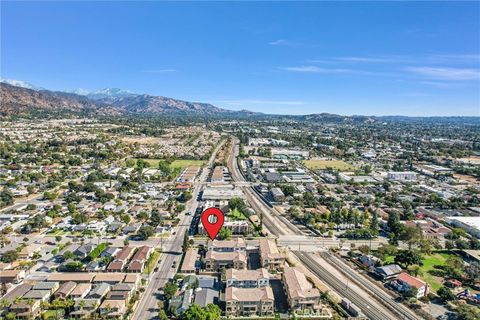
379	294
370	311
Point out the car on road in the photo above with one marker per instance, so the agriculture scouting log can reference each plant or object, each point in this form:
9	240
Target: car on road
174	264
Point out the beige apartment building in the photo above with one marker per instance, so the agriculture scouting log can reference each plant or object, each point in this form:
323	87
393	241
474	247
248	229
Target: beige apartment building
270	257
215	261
246	302
300	292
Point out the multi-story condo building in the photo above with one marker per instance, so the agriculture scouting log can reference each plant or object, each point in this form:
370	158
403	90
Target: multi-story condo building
234	245
246	302
300	292
215	261
270	257
247	278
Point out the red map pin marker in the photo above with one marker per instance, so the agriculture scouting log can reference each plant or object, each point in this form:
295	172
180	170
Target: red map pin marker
212	220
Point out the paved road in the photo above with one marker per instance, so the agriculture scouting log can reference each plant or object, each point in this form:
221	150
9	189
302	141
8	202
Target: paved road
147	307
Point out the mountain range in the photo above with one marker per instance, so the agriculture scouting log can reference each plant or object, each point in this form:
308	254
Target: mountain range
19	97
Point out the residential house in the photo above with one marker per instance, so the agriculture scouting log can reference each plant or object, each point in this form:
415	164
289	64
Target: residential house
84	308
99	291
137	264
113	308
12	276
50	286
120	259
24	310
17	292
43	295
189	261
84	250
405	283
81	290
206	296
388	271
65	290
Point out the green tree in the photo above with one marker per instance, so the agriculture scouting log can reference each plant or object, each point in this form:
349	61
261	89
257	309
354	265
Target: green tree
237	203
9	256
170	289
162	315
224	234
446	294
145	232
408	257
185	244
468	312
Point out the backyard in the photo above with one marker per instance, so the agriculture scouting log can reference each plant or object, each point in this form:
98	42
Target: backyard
430	271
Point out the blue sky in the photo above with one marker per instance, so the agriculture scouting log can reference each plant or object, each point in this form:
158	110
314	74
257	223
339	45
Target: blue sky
372	58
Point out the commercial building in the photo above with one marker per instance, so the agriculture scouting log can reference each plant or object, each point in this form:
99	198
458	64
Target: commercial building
224	193
405	176
469	224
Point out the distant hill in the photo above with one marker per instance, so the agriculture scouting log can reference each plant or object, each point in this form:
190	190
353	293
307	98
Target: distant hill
22	100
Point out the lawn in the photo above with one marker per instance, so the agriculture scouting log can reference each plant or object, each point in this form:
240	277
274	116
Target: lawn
152	262
176	163
328	164
53	314
186	163
56	232
429	264
428	269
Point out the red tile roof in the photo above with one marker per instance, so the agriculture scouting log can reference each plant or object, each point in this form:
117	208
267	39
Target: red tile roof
411	281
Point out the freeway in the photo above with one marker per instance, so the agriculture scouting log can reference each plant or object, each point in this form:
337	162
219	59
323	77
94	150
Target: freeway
147	307
372	311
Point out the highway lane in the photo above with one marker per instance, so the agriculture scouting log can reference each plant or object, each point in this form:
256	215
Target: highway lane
147	307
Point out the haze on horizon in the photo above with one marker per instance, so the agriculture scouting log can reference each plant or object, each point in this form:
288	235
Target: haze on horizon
365	58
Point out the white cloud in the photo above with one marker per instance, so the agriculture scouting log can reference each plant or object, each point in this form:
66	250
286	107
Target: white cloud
363	59
314	69
443	73
283	42
159	71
